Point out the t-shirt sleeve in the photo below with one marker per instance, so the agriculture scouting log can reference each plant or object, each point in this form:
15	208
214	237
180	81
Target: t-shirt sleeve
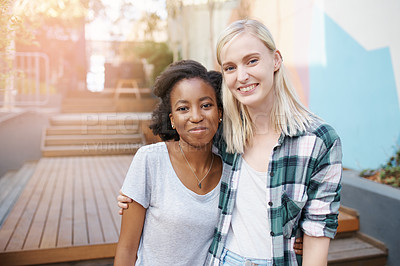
137	183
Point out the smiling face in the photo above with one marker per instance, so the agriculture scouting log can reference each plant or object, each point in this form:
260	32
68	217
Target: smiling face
248	67
194	111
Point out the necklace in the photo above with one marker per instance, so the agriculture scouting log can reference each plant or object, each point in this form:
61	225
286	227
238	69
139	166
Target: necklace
198	180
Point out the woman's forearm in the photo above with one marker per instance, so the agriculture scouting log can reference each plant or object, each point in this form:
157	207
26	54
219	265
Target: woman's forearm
315	250
131	231
124	256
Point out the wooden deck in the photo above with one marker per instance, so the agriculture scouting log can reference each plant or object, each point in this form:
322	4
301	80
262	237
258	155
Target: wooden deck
66	212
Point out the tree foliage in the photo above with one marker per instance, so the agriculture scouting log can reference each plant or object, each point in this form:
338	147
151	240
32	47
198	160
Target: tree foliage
21	19
151	21
29	25
157	54
11	25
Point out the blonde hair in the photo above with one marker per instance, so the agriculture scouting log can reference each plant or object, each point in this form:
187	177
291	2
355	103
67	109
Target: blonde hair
288	114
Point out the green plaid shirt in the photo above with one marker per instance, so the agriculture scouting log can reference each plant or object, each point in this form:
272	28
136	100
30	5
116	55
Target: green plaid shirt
305	173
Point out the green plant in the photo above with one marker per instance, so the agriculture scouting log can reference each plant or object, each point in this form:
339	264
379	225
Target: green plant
157	54
388	174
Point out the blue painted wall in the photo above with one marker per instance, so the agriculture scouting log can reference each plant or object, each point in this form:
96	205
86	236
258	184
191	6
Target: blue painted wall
355	92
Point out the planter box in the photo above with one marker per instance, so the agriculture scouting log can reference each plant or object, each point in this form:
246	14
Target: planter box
379	208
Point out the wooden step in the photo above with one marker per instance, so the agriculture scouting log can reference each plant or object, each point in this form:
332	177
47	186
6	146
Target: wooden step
91	130
99	101
95	104
87	109
86	94
352	248
92	139
90	149
11	186
91	119
137	105
348	220
358	249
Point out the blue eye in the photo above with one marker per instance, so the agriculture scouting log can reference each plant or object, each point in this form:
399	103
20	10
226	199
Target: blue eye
253	61
227	69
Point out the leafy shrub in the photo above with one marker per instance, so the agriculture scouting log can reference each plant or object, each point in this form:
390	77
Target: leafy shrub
388	174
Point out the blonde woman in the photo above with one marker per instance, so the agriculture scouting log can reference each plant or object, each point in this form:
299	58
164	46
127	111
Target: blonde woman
285	162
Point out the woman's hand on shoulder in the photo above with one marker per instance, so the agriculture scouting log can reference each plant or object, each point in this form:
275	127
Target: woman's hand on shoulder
123	201
298	246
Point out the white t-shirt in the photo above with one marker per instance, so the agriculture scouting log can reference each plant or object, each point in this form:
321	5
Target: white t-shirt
249	233
179	223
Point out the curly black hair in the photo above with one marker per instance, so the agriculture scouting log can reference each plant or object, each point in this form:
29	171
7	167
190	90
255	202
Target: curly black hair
165	82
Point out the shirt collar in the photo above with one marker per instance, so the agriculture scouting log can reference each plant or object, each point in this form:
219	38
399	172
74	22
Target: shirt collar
283	136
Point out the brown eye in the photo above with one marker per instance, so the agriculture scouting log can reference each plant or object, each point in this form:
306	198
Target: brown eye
181	109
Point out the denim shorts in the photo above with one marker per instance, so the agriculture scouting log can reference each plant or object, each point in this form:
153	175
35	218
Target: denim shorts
229	258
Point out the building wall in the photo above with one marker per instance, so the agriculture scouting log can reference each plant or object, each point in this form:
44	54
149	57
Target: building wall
344	60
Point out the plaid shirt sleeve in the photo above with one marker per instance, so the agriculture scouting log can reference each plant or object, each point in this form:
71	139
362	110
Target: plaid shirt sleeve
320	214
